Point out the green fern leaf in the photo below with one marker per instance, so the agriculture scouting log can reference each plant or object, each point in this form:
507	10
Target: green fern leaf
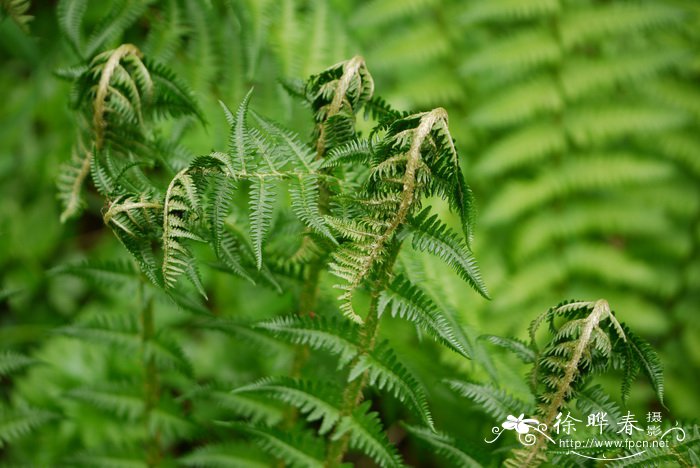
591	400
304	196
70	16
297	448
431	235
261	199
494	401
408	301
385	371
332	335
180	204
104	273
17	424
238	145
317	400
223	455
299	154
444	445
11	362
121	16
122	400
352	152
645	356
17	9
518	347
249	406
367	435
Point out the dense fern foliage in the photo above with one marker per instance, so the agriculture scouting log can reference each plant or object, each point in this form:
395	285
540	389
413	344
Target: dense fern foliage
220	249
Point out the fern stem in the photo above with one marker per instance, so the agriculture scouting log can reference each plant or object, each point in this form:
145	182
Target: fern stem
353	393
151	393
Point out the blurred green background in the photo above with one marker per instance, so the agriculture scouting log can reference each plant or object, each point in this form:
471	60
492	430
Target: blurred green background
578	122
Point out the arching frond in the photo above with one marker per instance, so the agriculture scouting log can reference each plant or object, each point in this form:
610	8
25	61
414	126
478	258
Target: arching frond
445	446
11	362
431	235
407	300
20	423
494	401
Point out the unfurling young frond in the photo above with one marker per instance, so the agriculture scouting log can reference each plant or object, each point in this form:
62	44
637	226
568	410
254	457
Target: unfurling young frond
181	205
120	95
17	10
588	341
407	165
355	201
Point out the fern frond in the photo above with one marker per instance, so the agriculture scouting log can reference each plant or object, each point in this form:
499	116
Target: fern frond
579	175
367	435
180	205
594	23
431	235
644	356
319	401
384	371
249	406
11	362
332	335
261	199
412	146
496	402
502	10
298	449
70	183
15	424
408	301
304	194
238	143
514	345
340	90
223	455
17	9
121	16
70	16
105	273
444	445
